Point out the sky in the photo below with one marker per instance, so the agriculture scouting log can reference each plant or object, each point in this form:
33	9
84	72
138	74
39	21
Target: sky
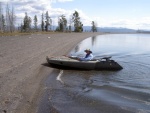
134	14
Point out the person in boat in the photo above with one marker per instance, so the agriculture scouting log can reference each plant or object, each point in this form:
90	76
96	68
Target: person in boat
88	56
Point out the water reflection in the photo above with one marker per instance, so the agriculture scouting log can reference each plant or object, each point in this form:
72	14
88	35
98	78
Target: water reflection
114	44
77	48
93	40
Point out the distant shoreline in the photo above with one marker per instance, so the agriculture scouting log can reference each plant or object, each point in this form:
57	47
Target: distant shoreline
53	32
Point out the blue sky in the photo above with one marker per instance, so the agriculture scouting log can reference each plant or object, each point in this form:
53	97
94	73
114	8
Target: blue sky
133	14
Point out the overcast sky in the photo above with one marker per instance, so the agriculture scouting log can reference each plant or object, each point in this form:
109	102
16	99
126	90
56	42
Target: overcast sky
133	14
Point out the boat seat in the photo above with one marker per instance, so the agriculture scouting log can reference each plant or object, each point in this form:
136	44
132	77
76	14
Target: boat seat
93	60
107	58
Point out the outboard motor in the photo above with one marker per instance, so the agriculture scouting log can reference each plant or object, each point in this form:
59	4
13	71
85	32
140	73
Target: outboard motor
106	63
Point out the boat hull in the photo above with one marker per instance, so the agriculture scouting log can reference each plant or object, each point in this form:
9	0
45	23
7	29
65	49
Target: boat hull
87	65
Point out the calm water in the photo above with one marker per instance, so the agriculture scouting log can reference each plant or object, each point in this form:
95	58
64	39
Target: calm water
123	91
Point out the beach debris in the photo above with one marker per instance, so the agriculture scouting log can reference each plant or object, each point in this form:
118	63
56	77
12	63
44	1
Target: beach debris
87	89
49	98
59	76
29	37
48	37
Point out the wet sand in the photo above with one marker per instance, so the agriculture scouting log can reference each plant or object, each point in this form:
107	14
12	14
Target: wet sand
22	72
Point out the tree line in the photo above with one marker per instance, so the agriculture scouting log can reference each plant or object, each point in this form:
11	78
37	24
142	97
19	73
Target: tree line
8	22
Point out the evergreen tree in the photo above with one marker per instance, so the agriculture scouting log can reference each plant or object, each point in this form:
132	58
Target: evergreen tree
94	28
62	23
42	22
3	23
77	24
35	22
27	23
48	21
21	27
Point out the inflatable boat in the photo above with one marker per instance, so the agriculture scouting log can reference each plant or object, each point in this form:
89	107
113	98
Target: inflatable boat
104	63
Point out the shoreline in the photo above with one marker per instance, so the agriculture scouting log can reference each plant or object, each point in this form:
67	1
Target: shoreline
21	71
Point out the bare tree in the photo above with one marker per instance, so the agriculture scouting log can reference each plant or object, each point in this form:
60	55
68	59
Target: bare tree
7	18
10	19
0	17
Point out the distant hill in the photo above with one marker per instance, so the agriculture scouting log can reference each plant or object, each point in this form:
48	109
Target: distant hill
110	29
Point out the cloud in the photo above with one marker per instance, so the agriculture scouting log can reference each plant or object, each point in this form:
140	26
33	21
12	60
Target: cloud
32	7
55	1
37	4
65	0
36	7
142	23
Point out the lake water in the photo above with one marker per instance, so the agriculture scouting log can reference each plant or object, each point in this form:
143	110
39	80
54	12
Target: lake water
124	91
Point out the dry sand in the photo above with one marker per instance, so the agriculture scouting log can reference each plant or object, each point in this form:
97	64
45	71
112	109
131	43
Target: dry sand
21	71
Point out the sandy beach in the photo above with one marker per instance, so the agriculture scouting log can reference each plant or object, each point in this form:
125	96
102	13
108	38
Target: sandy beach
21	71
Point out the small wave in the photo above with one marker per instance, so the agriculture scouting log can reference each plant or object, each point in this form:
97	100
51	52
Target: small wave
133	54
138	100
